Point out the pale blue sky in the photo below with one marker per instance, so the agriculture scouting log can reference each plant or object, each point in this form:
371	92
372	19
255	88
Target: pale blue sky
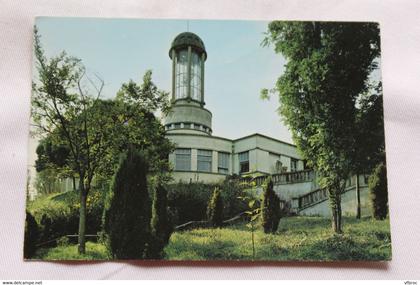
237	66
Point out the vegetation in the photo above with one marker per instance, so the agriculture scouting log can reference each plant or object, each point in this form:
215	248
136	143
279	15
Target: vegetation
94	251
378	187
298	238
161	225
57	214
270	208
71	116
215	209
327	70
189	201
127	216
31	236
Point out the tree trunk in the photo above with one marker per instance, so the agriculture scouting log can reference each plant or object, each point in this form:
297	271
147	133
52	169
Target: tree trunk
74	182
82	218
358	210
336	211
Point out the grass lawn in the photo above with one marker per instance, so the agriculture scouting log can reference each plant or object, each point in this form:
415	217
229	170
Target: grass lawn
94	251
298	238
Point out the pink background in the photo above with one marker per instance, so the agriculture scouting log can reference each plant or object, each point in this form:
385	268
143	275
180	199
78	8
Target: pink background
400	27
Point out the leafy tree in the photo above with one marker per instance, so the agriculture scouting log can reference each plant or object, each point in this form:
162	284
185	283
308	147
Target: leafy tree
127	214
270	208
161	227
327	69
31	236
369	136
66	107
215	209
378	187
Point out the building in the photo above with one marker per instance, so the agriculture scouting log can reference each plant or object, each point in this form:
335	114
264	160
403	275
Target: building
200	156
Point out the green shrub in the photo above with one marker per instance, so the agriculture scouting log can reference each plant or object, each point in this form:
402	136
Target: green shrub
161	227
31	236
270	208
58	214
378	187
188	201
127	217
215	209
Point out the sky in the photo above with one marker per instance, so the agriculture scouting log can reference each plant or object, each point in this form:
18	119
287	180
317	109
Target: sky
237	66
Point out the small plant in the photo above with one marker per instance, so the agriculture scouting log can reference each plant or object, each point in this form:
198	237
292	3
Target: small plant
215	209
270	208
253	213
379	192
63	241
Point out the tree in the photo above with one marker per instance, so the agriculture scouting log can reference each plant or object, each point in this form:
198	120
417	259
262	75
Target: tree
127	213
66	106
328	65
215	209
369	136
378	187
270	208
161	227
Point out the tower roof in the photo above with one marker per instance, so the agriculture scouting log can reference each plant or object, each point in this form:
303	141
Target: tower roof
183	40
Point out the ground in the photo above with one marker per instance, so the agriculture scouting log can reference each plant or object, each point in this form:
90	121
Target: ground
298	238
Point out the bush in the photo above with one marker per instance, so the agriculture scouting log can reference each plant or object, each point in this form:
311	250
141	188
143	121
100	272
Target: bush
161	227
127	216
188	201
31	236
215	209
378	187
270	208
58	214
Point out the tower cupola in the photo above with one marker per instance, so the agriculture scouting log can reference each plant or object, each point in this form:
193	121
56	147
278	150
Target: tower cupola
188	115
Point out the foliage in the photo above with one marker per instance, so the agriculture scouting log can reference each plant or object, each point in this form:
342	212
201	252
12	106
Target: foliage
215	209
327	69
270	208
300	238
58	214
127	214
188	201
94	251
68	111
161	225
378	187
31	236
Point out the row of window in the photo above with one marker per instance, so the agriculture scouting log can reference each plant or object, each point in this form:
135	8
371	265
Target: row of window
204	160
188	126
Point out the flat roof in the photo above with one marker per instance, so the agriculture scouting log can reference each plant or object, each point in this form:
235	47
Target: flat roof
235	140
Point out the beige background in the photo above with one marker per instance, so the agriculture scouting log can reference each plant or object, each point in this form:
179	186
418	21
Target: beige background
400	26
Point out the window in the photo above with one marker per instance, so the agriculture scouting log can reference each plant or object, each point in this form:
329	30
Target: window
183	159
204	158
181	74
223	162
293	164
243	162
195	77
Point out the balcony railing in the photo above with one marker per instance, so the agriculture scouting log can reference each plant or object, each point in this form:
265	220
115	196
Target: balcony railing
283	178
